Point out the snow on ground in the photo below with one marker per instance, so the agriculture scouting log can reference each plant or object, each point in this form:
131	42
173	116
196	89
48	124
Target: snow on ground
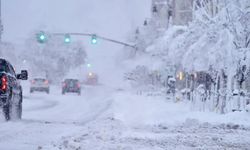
148	110
112	134
103	118
142	123
48	117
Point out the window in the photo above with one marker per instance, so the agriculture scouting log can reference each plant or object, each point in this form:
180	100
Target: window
11	70
3	66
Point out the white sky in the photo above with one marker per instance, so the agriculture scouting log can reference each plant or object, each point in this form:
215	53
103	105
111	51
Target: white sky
110	18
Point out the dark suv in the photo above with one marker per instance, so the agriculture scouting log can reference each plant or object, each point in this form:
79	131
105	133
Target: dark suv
71	85
11	90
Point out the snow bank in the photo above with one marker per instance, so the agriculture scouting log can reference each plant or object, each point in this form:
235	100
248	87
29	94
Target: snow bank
136	110
139	110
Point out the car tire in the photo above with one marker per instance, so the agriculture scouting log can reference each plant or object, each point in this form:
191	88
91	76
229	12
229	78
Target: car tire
15	112
19	107
31	91
7	108
47	91
6	112
19	111
15	109
63	93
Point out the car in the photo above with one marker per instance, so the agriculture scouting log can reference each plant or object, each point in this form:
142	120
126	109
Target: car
71	86
11	90
91	79
39	84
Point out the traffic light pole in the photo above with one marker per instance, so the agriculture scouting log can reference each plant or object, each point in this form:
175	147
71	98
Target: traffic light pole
97	36
1	25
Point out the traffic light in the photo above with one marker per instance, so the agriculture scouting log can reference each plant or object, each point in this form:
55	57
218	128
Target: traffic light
94	39
41	37
89	65
67	38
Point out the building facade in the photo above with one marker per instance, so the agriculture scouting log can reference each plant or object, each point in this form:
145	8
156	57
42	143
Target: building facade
161	13
182	11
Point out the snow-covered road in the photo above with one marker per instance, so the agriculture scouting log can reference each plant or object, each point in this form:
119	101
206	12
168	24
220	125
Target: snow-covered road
105	119
48	117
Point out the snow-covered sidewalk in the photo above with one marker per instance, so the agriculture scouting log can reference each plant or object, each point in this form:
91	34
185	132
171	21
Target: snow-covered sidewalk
110	134
136	110
153	123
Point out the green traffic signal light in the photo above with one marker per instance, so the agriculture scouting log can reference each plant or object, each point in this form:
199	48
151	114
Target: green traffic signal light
41	37
89	65
67	38
94	39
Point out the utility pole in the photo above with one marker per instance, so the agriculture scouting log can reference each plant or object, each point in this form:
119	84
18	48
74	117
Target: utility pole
1	25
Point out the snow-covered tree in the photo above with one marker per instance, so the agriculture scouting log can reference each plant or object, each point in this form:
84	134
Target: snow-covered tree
216	42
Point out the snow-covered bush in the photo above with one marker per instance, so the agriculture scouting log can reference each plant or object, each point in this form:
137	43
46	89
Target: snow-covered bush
138	77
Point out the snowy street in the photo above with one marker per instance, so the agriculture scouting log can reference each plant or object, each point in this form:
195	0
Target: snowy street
125	75
100	120
48	117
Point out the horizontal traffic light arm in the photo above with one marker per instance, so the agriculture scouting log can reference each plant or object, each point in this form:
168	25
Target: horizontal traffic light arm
97	36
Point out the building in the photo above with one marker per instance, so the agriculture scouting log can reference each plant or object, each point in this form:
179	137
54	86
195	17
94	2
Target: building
161	13
182	11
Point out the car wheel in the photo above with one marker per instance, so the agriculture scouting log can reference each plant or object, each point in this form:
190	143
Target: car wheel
7	107
31	91
47	91
6	112
63	93
19	108
19	111
15	109
15	112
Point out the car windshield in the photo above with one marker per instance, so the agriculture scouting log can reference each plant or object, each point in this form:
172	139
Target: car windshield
39	80
74	81
2	66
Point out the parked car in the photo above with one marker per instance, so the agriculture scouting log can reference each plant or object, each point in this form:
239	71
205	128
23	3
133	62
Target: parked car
11	90
39	84
71	86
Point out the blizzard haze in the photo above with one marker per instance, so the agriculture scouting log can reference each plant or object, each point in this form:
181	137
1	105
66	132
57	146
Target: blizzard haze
97	16
182	84
110	18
